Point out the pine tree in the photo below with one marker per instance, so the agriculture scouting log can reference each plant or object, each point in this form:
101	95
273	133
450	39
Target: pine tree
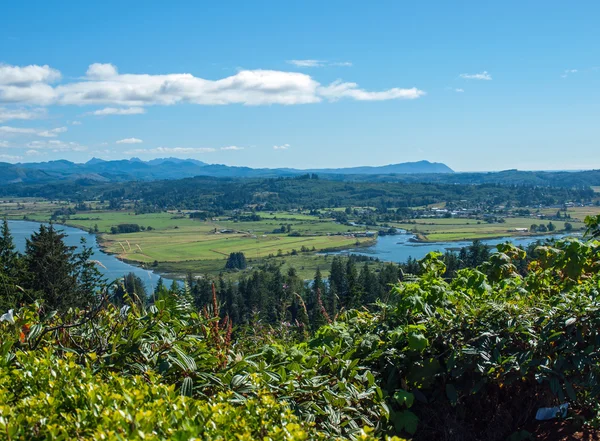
10	265
50	266
353	292
337	287
8	255
314	303
369	286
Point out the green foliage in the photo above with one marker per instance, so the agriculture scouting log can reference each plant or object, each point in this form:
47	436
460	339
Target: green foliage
593	226
50	397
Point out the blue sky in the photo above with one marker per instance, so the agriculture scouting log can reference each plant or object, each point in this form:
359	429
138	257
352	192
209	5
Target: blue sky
476	85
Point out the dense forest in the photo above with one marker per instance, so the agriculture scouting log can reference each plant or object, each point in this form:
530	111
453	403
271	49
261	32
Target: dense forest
306	192
464	354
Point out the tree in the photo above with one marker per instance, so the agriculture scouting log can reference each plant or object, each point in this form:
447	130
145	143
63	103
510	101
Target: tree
353	293
314	301
568	226
56	273
236	261
337	286
551	227
10	265
369	284
8	255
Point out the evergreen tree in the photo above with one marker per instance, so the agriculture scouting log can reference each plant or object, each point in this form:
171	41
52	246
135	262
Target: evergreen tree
369	286
353	291
8	255
55	273
10	265
337	287
160	286
236	261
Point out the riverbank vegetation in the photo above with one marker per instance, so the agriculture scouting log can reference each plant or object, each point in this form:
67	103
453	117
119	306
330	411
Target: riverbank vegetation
470	355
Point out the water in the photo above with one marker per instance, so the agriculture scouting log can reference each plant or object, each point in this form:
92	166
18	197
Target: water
387	248
399	248
115	268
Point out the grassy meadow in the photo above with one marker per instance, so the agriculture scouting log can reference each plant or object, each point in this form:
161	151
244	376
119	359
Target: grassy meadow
441	230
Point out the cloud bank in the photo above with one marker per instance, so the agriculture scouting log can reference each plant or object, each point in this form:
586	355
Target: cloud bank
103	85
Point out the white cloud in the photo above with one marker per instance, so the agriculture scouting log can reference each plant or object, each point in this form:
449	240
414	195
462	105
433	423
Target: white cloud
319	63
100	71
307	63
568	72
129	141
4	144
76	123
37	94
23	114
478	76
459	90
171	150
56	145
10	158
118	111
339	89
27	75
52	133
281	147
232	147
341	64
34	153
103	85
35	132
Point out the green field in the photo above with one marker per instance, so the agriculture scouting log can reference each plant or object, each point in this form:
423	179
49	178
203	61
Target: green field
30	208
177	244
576	213
107	219
441	230
201	243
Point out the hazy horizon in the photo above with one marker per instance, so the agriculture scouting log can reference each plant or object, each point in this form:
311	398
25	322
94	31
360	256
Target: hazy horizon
183	158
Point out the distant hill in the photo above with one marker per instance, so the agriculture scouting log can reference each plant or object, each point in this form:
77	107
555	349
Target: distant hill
135	169
392	169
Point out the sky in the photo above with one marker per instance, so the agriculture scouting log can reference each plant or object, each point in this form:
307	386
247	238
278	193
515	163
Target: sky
476	85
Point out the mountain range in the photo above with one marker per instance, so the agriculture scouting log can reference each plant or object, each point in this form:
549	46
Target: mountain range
135	169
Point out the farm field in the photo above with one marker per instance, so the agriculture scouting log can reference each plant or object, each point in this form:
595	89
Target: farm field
576	213
30	208
440	230
106	219
201	243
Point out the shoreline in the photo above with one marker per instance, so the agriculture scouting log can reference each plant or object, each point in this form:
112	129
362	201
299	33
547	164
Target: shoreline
416	239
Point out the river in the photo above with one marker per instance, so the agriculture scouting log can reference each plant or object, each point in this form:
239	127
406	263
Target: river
396	248
114	268
399	248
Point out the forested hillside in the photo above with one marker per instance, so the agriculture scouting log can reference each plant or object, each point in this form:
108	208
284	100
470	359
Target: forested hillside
467	355
306	191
